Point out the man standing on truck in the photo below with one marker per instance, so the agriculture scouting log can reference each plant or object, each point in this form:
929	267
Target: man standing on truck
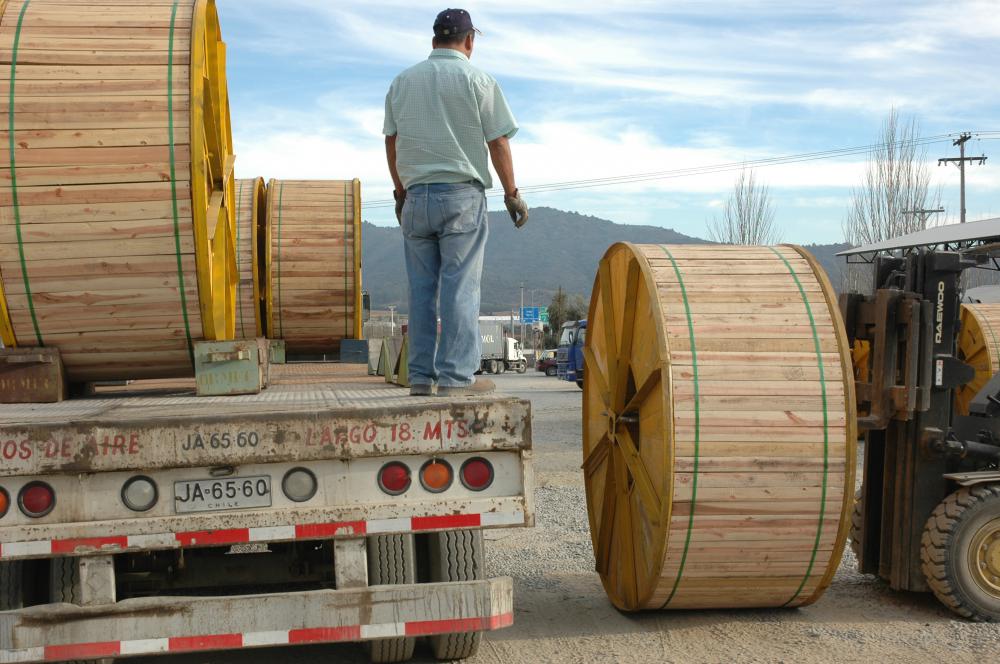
441	118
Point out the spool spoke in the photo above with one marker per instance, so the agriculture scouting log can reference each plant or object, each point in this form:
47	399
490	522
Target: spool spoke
594	369
647	493
628	333
625	539
597	456
651	384
610	337
607	524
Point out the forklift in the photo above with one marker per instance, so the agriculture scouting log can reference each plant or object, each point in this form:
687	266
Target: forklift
927	516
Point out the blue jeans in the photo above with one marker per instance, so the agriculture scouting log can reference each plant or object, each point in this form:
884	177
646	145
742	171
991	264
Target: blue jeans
444	238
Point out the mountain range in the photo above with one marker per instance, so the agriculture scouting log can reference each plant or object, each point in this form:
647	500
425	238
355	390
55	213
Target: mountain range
556	249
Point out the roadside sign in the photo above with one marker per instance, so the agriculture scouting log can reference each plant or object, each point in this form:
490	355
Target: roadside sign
530	314
543	314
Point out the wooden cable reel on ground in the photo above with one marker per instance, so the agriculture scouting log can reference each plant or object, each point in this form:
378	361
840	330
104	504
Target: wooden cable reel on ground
719	427
313	264
979	346
117	219
251	220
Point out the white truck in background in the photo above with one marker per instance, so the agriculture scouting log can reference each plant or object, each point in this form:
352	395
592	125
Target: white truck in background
500	352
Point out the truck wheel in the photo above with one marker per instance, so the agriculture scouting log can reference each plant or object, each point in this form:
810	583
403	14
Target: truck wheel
551	371
64	587
960	552
522	368
856	528
492	367
11	585
456	555
501	367
391	560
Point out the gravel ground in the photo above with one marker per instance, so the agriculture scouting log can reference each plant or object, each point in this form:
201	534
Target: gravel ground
563	615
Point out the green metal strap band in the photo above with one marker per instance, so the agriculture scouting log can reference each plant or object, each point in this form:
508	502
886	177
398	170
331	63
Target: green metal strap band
697	425
13	175
281	321
173	181
239	282
826	427
348	221
989	327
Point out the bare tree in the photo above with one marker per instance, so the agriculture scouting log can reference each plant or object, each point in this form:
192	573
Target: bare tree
748	217
895	187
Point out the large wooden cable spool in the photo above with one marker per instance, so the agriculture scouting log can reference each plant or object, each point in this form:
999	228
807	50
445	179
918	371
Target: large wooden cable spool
116	211
313	265
251	219
979	346
719	427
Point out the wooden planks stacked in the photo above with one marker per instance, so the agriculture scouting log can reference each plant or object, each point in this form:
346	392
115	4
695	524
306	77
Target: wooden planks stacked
116	219
979	346
314	264
719	427
251	218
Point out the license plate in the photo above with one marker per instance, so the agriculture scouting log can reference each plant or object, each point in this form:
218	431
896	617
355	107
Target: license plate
235	493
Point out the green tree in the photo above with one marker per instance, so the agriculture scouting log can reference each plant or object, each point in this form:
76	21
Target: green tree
563	308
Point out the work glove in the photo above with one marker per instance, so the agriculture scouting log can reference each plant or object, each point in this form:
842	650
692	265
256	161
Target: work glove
400	197
517	208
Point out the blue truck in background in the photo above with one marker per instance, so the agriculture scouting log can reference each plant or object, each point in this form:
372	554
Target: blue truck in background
569	355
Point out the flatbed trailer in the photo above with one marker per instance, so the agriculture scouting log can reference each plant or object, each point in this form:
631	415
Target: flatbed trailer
331	507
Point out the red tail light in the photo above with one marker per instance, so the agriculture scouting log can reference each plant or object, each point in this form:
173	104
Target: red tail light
36	499
477	474
4	502
394	478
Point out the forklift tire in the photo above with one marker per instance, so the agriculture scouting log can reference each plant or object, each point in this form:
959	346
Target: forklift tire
856	528
551	371
456	555
391	560
64	587
11	585
960	552
579	383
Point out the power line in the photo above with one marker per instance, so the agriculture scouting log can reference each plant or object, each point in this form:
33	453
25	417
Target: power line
960	160
714	168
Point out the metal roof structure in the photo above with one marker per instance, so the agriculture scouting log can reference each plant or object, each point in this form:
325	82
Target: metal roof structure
954	237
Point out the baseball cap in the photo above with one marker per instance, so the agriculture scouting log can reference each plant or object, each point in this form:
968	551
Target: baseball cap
453	22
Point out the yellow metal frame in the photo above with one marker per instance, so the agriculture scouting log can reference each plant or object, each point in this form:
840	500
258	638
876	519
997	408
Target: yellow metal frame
213	188
358	304
6	325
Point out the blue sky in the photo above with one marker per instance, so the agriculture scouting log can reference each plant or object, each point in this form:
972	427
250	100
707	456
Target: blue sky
605	88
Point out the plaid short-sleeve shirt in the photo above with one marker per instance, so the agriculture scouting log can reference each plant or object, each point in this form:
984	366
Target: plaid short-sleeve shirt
443	111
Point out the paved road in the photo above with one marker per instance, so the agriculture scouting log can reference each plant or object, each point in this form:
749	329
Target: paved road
562	614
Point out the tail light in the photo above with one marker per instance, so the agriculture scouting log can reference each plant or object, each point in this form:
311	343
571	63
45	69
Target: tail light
4	502
436	476
394	478
477	474
36	499
140	494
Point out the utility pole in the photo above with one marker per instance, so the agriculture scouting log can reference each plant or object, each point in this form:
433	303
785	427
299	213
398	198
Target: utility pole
923	214
392	320
960	160
522	314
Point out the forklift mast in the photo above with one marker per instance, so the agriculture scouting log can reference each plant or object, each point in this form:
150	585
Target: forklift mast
906	392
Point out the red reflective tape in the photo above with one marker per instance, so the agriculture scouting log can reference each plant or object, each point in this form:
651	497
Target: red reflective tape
501	621
325	634
321	530
428	627
82	651
208	537
446	522
208	642
96	543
